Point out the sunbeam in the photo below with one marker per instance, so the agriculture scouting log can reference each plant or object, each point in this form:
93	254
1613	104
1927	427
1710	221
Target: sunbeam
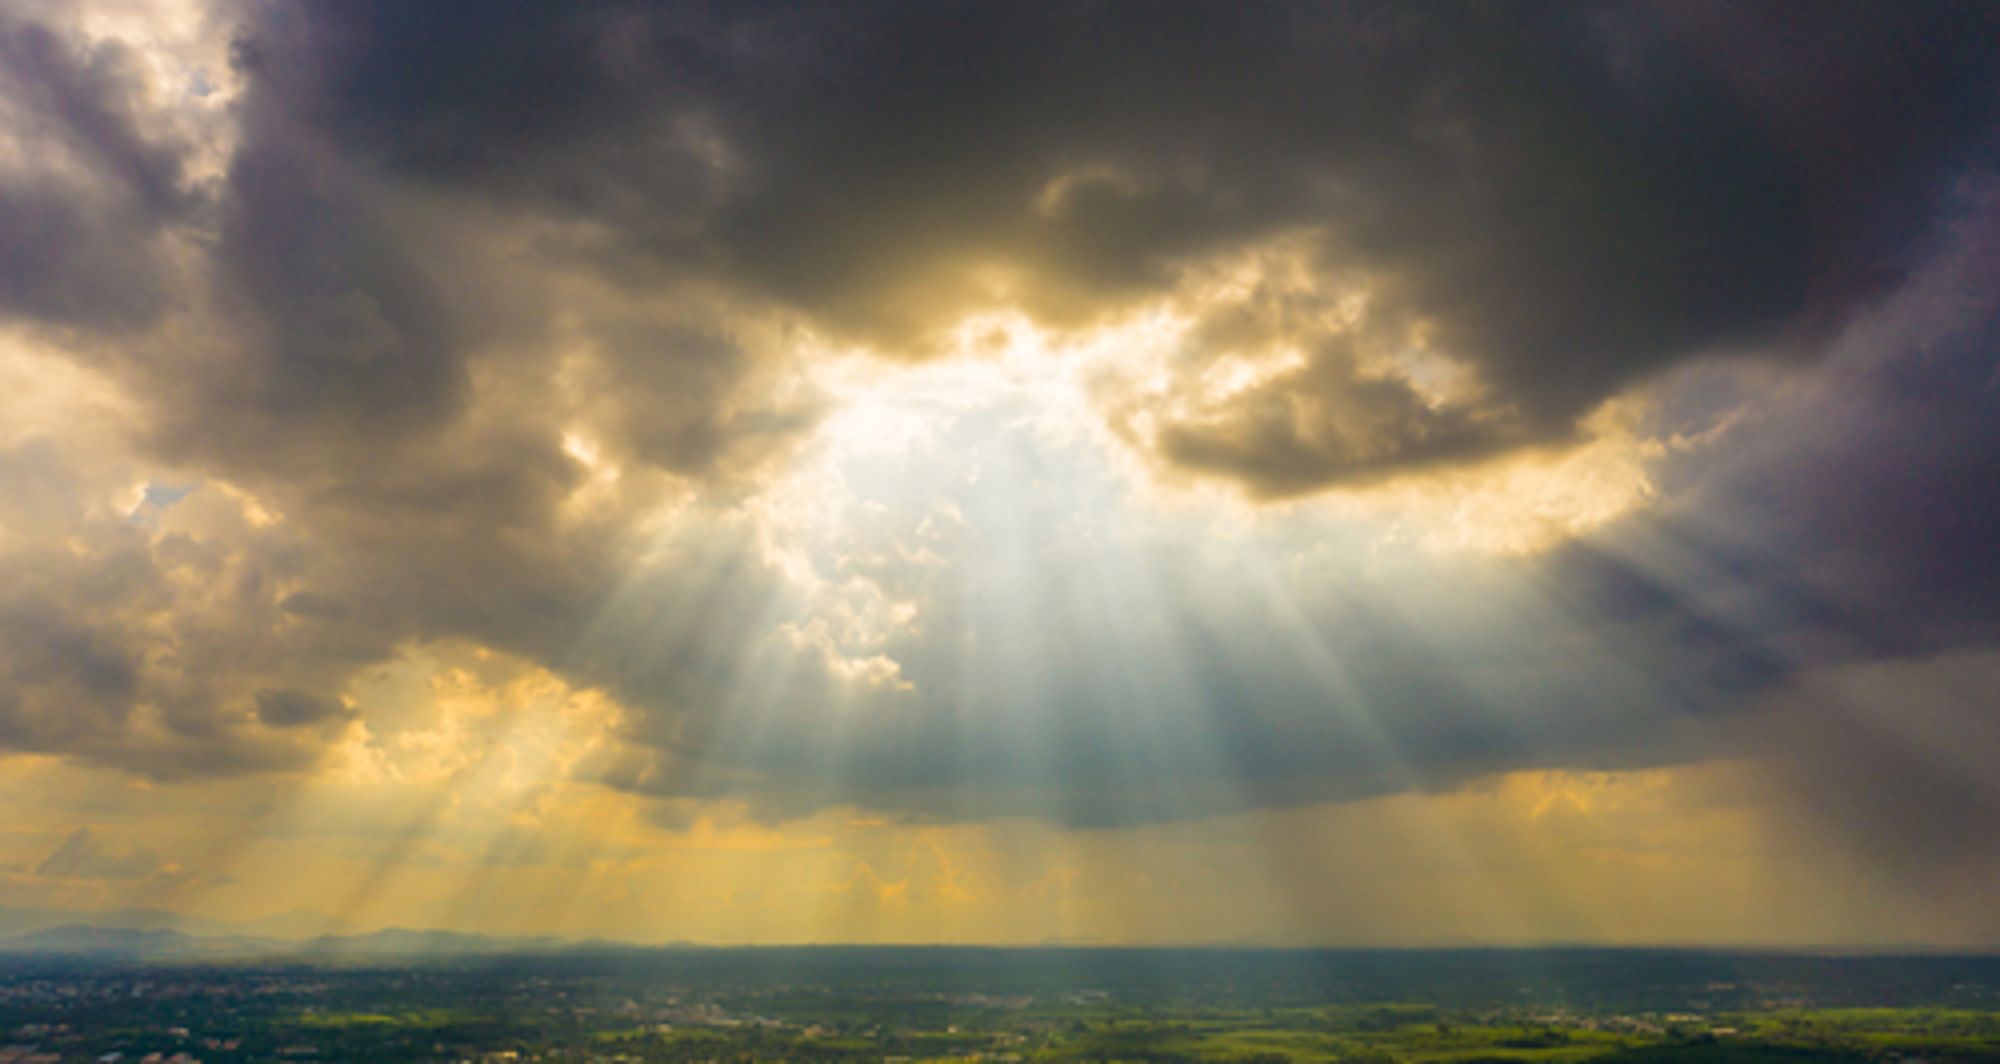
1075	475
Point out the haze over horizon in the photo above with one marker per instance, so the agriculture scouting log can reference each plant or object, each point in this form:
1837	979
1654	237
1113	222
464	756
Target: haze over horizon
1353	474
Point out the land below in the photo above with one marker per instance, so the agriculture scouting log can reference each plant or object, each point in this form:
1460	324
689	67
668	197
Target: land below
584	1003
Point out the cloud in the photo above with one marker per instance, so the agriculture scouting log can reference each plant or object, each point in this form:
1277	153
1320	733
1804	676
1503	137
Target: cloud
283	708
1848	517
88	201
1515	193
531	332
1064	659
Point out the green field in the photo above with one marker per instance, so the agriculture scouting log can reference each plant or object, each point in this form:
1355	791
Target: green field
1009	1008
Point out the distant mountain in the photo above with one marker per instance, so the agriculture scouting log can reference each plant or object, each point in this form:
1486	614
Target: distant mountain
22	920
156	934
401	942
297	925
152	936
89	940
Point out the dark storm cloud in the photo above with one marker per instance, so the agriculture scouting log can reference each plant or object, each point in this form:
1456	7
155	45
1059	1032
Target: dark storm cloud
313	604
1571	198
1878	104
1854	518
285	708
346	345
83	213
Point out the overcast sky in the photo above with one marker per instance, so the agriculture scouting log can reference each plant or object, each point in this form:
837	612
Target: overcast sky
1321	473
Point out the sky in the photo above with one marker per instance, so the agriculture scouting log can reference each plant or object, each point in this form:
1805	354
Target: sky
1337	474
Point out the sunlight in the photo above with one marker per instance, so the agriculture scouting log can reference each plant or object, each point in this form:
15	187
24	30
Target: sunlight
984	475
